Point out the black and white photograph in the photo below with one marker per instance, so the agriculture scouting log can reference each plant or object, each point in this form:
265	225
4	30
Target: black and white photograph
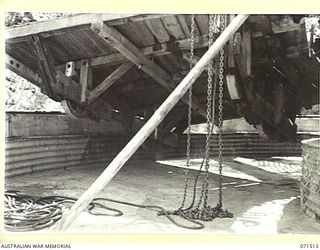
152	123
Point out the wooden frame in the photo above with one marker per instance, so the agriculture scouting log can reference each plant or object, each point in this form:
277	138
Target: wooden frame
133	54
109	81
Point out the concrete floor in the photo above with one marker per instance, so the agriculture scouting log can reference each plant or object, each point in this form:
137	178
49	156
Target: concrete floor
262	201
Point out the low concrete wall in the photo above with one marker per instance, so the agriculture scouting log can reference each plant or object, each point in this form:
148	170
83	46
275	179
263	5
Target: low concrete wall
41	141
25	124
310	180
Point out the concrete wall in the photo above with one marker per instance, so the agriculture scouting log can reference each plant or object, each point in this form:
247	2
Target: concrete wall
310	180
52	124
41	141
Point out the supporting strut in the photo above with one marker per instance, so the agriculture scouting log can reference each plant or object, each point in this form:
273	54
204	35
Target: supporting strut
112	169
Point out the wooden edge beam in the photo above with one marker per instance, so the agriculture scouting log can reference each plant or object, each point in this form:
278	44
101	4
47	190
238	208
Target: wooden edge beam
109	81
63	24
112	169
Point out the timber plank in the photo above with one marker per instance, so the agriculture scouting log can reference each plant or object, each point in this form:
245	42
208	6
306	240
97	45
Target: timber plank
90	46
143	33
131	36
185	22
80	48
158	30
173	27
202	21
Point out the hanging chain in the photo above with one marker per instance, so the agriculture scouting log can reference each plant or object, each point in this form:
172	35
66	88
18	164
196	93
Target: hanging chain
192	33
206	213
205	185
220	114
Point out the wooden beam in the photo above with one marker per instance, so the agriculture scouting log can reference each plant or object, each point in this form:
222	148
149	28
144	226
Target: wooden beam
246	48
23	71
132	53
85	79
45	64
109	81
112	169
154	50
74	22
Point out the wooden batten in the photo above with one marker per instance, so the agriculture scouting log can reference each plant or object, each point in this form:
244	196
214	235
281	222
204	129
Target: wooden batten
74	22
136	56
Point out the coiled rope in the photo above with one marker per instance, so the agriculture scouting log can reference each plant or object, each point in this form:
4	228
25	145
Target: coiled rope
29	213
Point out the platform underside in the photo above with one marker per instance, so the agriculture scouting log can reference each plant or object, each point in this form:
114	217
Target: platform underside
131	63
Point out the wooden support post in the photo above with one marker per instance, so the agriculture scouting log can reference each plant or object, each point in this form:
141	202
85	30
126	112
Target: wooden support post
107	83
136	56
246	48
112	169
85	79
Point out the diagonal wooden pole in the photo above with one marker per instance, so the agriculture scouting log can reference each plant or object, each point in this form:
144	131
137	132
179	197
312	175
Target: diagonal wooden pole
111	170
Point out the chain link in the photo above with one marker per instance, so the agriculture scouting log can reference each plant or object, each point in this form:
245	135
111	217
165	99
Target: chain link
192	33
220	114
205	186
206	213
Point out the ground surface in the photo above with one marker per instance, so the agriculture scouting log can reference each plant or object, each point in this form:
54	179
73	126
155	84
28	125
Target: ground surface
263	196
